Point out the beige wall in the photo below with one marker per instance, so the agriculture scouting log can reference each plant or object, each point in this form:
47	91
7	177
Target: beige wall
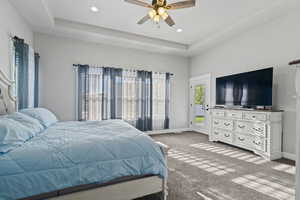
11	23
58	79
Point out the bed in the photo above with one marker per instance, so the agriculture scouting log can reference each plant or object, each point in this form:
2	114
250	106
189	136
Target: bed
109	160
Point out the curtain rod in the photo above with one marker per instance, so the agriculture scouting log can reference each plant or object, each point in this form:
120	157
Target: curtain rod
77	65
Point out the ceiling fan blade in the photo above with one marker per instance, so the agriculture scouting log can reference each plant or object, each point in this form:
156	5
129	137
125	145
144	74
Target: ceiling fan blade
139	3
144	19
182	4
170	21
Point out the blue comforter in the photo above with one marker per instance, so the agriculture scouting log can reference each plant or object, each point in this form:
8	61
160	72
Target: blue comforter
75	153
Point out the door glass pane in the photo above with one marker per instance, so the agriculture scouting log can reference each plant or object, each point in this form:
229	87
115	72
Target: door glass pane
199	102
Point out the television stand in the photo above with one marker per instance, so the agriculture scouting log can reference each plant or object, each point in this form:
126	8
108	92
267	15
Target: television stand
259	131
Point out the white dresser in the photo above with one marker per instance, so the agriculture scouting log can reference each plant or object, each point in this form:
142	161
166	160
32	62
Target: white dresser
257	131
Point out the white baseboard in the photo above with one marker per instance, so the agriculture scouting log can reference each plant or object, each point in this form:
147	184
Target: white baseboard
290	156
164	131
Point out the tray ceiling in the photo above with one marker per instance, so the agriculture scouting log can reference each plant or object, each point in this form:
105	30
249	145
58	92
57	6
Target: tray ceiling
210	21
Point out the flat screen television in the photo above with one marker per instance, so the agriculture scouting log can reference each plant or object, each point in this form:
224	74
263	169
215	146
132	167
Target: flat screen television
250	89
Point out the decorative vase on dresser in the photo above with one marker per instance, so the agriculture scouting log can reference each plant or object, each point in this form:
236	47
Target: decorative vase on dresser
259	131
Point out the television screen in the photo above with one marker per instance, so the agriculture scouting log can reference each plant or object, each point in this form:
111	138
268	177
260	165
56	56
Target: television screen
247	89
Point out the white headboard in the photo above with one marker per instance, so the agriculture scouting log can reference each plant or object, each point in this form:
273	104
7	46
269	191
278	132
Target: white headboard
8	103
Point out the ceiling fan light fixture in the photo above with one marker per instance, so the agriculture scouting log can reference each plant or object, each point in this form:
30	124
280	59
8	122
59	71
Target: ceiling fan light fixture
156	18
152	13
164	15
161	10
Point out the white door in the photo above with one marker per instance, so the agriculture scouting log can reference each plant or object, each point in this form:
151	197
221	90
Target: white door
200	103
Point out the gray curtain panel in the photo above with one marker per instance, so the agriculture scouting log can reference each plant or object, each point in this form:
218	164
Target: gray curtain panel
144	104
36	79
21	63
26	74
167	100
112	93
83	91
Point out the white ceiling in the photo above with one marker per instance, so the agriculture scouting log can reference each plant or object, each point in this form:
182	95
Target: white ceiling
204	25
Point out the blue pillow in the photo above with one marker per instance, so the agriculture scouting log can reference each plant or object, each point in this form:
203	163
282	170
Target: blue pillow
13	134
27	121
45	117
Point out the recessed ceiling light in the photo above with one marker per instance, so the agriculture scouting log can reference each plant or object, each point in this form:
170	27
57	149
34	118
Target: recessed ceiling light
94	9
179	30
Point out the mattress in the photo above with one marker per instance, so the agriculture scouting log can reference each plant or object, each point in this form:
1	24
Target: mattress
69	154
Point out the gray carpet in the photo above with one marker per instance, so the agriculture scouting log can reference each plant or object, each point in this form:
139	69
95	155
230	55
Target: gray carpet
202	170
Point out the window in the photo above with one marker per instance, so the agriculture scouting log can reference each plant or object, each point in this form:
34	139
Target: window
139	97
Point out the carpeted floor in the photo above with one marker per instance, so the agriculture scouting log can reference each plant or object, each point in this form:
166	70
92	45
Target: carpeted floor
202	170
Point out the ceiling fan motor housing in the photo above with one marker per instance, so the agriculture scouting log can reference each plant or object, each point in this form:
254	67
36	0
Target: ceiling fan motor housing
159	3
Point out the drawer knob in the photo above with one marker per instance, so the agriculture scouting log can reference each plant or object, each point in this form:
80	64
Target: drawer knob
226	124
216	133
227	135
257	143
216	122
241	139
258	129
241	126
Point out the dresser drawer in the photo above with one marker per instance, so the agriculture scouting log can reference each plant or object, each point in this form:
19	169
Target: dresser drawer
216	134
227	125
225	136
243	140
218	113
259	129
243	127
256	116
223	124
217	123
235	115
259	143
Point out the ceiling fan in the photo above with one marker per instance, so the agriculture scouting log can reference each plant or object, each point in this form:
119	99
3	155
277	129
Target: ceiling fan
159	9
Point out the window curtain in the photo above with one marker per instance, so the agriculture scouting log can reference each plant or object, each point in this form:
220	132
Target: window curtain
36	79
144	104
25	73
31	78
136	98
112	93
99	93
83	93
140	98
167	101
130	96
21	67
159	100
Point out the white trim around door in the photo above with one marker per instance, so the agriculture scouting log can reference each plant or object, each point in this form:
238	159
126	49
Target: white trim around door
200	102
